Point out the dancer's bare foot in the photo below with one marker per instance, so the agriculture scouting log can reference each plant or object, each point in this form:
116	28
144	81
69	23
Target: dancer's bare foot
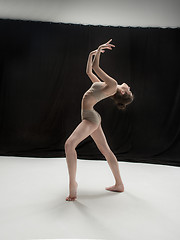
116	188
73	192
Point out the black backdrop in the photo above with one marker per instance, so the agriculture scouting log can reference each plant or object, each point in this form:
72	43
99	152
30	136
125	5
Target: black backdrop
43	78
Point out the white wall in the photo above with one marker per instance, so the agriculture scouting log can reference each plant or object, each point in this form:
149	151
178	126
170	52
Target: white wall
144	13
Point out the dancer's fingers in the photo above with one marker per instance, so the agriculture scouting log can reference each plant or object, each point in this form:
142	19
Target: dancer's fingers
112	45
106	47
109	41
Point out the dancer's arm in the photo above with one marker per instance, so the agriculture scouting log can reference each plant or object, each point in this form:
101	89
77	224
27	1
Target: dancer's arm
104	76
89	72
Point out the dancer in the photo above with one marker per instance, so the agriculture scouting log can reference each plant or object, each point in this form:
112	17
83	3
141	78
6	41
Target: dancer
91	120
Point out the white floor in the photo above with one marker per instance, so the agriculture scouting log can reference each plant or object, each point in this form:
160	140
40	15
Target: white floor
33	206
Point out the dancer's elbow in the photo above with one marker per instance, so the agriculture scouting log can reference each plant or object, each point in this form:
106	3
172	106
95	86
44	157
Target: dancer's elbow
88	72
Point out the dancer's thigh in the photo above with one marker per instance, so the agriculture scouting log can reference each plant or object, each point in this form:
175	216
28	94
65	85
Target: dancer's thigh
100	140
82	131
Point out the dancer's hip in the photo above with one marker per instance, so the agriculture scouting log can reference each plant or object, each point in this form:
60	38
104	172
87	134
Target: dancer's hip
90	115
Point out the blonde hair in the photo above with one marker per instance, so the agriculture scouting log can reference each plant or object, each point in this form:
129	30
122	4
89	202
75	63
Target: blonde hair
122	100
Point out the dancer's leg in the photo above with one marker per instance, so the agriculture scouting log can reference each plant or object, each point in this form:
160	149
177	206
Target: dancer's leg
83	130
101	142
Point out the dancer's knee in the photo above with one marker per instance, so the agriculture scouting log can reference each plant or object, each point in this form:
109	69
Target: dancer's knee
69	145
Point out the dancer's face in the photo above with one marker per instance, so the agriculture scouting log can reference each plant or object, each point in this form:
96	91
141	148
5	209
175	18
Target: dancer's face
124	88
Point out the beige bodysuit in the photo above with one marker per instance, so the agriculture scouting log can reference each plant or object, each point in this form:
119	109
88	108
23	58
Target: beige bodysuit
90	98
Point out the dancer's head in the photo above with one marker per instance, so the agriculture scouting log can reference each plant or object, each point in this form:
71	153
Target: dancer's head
123	96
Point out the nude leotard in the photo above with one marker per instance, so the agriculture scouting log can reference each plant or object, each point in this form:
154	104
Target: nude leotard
90	98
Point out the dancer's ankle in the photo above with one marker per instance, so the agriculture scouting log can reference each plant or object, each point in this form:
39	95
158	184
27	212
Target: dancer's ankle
119	184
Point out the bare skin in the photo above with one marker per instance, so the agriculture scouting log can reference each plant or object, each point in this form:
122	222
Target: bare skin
84	129
87	128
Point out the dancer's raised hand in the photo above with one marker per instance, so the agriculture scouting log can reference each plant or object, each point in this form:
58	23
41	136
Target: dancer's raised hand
95	51
107	45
